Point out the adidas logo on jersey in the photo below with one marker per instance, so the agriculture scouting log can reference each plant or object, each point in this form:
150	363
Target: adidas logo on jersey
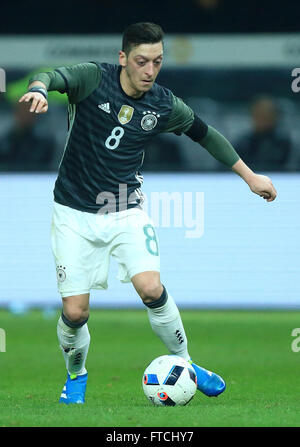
105	107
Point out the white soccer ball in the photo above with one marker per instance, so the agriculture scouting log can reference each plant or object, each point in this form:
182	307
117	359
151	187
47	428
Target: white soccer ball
169	380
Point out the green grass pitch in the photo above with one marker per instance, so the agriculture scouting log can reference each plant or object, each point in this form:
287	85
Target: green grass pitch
251	350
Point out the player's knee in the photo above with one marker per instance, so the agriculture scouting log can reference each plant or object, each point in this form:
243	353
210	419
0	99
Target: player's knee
76	314
76	308
151	292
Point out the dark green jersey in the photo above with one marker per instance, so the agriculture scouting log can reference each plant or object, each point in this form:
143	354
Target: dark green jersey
108	131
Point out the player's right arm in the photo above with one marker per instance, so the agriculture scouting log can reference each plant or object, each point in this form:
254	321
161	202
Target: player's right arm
78	81
39	102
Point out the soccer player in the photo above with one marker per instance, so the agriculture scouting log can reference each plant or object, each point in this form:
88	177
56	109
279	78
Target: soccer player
114	110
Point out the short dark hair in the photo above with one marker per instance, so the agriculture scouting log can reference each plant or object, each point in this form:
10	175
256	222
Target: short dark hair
139	33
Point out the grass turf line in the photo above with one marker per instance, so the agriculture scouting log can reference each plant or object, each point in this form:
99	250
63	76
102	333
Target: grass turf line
251	350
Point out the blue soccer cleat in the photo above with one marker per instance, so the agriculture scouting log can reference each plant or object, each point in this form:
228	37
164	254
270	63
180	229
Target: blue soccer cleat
74	389
208	382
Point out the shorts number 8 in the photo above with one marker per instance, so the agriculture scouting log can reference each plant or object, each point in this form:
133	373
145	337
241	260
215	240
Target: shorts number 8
151	237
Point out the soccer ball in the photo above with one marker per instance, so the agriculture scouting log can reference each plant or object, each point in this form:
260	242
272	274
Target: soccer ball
169	380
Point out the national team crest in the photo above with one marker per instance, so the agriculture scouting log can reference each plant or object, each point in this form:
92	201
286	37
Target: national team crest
125	114
149	120
61	274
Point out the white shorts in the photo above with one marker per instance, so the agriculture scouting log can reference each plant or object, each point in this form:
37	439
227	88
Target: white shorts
83	242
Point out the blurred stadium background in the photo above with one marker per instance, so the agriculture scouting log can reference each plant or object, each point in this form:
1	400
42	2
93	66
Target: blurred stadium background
232	62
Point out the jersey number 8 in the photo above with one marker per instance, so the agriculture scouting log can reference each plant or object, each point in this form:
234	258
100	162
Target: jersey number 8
113	141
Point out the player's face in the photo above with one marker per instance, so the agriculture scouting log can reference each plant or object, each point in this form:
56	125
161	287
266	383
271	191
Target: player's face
140	68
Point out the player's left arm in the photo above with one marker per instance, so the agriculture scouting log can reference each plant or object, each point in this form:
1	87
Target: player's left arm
221	149
259	184
183	120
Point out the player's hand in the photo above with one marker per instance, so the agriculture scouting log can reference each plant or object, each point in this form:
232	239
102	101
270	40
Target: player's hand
39	103
262	185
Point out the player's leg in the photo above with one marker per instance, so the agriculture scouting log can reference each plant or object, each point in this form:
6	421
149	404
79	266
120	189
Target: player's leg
166	322
136	250
73	333
162	311
72	250
74	340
